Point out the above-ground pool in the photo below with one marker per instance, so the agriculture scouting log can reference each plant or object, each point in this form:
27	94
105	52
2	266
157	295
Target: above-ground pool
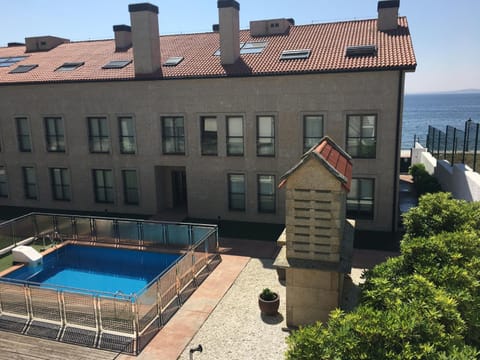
90	269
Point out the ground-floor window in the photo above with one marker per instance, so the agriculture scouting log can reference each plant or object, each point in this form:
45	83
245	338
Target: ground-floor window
3	182
361	198
29	182
60	181
266	193
130	187
236	192
103	185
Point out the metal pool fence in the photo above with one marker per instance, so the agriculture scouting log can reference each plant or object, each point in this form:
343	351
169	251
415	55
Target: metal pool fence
116	322
455	145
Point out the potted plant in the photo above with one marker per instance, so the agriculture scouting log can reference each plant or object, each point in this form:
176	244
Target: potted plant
269	302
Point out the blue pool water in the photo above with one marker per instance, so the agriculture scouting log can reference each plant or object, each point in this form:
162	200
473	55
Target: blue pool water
97	269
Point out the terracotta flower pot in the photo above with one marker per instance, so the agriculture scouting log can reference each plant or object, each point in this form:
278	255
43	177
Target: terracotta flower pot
269	307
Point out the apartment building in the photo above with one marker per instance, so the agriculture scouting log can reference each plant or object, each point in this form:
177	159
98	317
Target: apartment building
205	122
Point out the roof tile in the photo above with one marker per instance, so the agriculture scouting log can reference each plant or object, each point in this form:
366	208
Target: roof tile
328	43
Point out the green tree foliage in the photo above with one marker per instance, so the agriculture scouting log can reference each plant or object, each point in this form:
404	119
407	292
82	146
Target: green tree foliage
423	181
423	304
437	213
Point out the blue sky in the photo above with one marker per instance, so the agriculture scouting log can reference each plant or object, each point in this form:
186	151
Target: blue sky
446	33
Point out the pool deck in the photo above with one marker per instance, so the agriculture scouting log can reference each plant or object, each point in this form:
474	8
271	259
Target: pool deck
222	314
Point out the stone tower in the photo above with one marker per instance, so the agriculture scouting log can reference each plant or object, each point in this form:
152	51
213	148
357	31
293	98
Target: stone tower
318	239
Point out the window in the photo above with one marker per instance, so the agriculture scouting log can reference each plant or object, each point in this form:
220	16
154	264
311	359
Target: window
249	47
173	61
29	182
209	135
116	64
98	135
266	193
9	61
60	181
3	182
234	135
312	131
23	69
360	199
23	135
361	136
265	136
295	54
173	135
130	187
236	192
126	127
103	185
55	134
253	47
69	66
362	50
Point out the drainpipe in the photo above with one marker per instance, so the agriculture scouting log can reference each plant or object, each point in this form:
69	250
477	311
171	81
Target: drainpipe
396	172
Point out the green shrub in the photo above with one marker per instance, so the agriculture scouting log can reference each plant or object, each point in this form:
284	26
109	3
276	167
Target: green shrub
438	213
404	331
423	181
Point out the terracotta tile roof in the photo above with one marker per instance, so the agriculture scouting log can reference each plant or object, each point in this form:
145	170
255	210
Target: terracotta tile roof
332	156
328	43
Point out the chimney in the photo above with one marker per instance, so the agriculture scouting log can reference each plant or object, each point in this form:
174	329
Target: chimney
229	18
388	14
123	37
145	38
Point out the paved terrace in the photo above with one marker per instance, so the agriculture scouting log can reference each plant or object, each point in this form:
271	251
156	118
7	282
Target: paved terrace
222	315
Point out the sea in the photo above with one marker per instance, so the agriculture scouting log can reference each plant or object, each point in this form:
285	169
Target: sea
438	110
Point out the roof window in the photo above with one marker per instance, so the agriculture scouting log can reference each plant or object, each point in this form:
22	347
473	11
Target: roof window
173	61
70	66
9	61
362	50
249	47
253	47
295	54
116	64
23	69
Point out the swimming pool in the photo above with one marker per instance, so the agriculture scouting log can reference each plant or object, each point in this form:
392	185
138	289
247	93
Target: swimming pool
139	290
90	269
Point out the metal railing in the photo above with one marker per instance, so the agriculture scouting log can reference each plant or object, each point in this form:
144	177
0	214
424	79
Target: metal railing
98	319
455	145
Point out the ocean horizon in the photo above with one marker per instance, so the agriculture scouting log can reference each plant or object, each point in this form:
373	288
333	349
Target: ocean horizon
438	110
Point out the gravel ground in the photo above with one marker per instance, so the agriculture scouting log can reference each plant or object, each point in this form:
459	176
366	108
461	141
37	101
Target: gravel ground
236	330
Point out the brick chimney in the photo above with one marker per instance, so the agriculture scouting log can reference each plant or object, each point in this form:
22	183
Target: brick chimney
388	14
145	38
123	37
229	18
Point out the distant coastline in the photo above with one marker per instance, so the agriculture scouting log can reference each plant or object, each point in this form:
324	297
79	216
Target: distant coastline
447	92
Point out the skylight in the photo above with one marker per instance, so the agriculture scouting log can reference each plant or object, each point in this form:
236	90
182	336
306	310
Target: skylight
295	54
173	61
116	64
23	69
9	61
249	47
253	47
70	66
362	50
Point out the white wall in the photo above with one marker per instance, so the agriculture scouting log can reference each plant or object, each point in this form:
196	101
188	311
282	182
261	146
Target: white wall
458	179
